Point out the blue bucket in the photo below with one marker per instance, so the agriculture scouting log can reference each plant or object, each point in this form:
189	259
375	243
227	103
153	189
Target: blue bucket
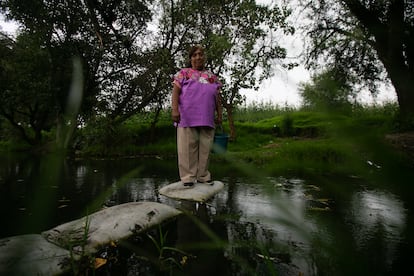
220	143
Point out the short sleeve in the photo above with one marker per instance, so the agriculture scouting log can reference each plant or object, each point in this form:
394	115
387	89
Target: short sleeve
214	79
179	77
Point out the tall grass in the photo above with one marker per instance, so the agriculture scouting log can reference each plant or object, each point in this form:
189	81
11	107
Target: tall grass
255	111
281	137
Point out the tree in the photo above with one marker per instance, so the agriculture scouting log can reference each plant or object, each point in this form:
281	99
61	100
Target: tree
25	100
239	37
127	67
328	90
367	38
104	34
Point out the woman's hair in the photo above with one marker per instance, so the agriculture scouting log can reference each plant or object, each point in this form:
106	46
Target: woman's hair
192	51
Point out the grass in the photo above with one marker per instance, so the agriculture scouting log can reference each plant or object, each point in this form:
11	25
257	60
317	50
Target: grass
272	138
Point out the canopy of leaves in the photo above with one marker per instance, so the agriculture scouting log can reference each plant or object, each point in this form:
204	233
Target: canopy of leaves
241	38
129	49
370	40
26	86
327	91
337	39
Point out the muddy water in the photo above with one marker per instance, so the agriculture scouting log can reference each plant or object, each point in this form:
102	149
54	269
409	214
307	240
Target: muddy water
255	226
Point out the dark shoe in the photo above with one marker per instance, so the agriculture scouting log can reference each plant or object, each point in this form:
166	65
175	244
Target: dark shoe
188	184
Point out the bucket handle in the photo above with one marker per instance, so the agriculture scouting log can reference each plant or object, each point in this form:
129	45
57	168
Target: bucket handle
220	129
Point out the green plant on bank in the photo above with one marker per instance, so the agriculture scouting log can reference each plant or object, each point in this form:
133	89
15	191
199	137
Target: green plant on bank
255	112
277	139
164	261
267	135
134	137
321	142
80	261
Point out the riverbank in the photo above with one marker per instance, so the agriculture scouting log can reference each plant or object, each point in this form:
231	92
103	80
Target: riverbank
403	142
273	140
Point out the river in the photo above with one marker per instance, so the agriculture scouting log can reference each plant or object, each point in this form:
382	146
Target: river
284	225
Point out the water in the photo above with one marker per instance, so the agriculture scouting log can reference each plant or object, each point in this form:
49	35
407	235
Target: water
256	226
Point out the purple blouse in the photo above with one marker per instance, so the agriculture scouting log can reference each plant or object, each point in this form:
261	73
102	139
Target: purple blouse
197	101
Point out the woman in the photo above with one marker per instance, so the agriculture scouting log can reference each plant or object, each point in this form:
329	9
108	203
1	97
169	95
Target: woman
195	98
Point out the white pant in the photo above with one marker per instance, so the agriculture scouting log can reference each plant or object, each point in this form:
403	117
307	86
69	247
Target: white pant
194	146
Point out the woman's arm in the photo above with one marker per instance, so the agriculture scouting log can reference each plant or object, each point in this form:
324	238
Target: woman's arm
219	109
175	113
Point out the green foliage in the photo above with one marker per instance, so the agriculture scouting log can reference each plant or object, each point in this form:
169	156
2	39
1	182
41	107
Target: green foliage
166	262
277	140
136	136
312	156
384	118
251	136
320	142
13	146
80	261
255	112
328	91
287	126
26	100
110	60
280	139
127	68
240	38
368	51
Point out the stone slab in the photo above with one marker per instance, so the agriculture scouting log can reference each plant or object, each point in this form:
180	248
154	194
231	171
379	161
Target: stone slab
200	192
32	255
110	224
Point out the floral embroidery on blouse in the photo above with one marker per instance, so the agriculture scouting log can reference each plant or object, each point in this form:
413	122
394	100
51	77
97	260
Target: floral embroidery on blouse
204	77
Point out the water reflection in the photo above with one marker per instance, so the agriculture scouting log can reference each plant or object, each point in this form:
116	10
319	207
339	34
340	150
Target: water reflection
282	212
296	225
197	235
274	213
81	172
370	208
376	213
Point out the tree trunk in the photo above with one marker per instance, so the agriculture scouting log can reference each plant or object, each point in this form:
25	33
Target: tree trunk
60	129
404	87
400	74
154	122
21	130
393	48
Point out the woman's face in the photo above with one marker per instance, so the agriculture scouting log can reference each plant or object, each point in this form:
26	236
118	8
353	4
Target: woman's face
198	59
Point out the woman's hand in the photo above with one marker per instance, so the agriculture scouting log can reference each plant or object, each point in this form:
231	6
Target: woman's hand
175	115
218	120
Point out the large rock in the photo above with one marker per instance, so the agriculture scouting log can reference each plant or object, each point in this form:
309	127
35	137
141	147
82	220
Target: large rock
110	224
32	255
50	252
200	192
